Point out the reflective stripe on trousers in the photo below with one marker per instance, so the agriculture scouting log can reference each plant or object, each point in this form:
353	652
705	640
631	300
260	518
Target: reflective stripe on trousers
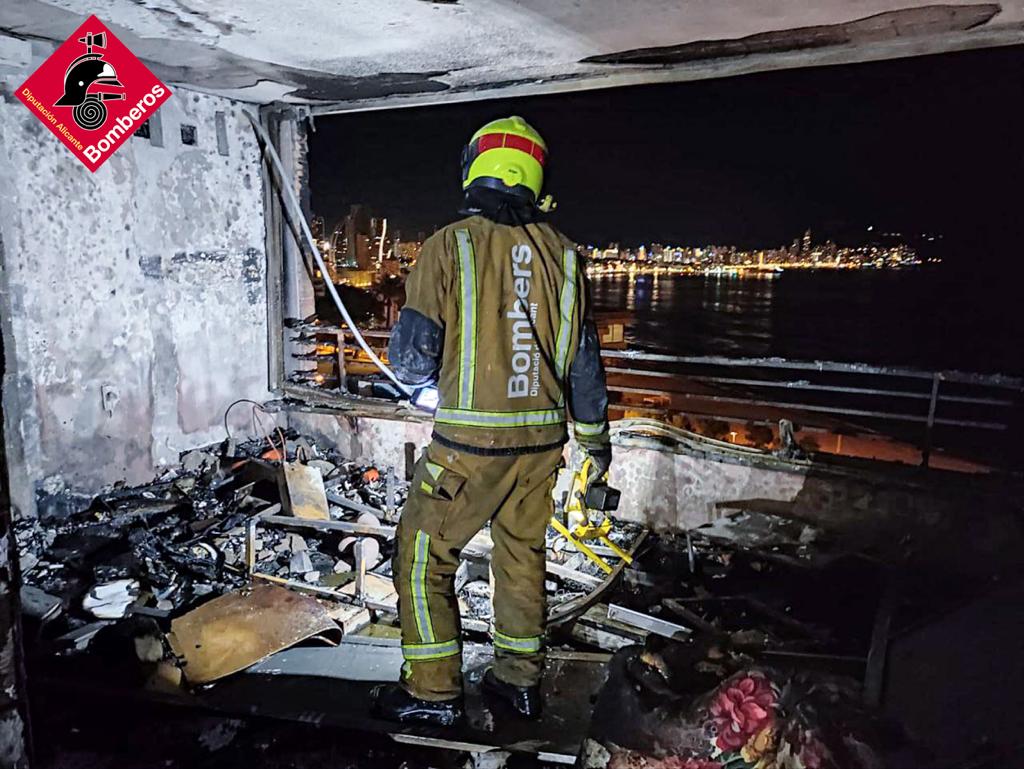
431	651
522	645
590	428
418	583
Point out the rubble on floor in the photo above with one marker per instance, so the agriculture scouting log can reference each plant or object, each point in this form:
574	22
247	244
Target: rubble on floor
229	560
236	520
794	600
183	537
281	529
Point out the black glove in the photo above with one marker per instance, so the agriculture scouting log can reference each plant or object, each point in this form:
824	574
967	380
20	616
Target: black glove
600	461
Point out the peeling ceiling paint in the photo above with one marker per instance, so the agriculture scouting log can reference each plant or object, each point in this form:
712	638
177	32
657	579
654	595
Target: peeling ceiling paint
890	25
358	50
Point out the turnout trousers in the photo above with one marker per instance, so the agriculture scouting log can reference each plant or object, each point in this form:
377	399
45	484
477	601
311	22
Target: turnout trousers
452	496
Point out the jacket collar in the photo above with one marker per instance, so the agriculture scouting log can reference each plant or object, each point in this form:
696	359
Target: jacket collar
500	207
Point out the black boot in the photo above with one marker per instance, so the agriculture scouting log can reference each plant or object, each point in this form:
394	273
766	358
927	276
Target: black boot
394	703
524	700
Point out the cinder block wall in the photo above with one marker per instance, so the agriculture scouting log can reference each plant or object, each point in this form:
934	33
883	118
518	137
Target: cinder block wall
145	281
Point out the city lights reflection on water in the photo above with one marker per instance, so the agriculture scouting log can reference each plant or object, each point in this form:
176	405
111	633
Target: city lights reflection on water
929	319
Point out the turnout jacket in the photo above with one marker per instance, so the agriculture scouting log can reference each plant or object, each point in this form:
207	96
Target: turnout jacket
498	316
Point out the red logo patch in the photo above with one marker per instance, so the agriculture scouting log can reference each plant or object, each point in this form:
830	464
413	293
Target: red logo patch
92	93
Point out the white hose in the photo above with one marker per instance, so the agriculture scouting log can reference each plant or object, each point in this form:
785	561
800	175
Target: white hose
295	212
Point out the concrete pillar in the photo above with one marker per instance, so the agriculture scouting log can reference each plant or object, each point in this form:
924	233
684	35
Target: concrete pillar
299	300
13	701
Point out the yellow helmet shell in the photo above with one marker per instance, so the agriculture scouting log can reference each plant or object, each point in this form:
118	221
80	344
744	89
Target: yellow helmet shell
508	155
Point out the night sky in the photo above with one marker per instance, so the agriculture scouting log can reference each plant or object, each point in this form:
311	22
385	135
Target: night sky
919	145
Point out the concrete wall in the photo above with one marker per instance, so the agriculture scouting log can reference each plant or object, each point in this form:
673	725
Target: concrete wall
967	523
970	524
145	280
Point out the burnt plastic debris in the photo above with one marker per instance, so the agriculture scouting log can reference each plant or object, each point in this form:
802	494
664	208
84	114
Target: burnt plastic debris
164	548
601	496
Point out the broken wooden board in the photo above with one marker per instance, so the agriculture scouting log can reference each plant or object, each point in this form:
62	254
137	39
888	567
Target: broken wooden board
302	492
378	592
242	627
351	618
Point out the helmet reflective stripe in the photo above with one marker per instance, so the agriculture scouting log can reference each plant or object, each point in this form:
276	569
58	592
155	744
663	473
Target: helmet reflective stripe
467	338
566	307
466	418
498	141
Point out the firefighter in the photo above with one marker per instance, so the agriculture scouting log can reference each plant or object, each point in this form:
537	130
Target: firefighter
497	317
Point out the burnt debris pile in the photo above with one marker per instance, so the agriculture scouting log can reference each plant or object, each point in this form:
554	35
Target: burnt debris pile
244	551
213	524
281	526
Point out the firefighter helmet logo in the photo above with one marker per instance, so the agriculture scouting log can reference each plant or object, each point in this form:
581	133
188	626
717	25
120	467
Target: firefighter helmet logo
93	93
87	83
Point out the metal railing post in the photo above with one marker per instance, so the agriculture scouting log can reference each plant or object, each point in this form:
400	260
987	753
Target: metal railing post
340	355
842	397
926	450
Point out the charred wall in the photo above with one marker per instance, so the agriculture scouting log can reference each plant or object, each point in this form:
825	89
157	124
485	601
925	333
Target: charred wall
134	298
376	441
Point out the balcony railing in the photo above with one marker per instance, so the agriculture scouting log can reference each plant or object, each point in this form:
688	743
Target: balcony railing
885	412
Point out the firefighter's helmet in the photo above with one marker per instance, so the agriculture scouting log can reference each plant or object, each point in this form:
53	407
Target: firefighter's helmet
86	71
507	155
